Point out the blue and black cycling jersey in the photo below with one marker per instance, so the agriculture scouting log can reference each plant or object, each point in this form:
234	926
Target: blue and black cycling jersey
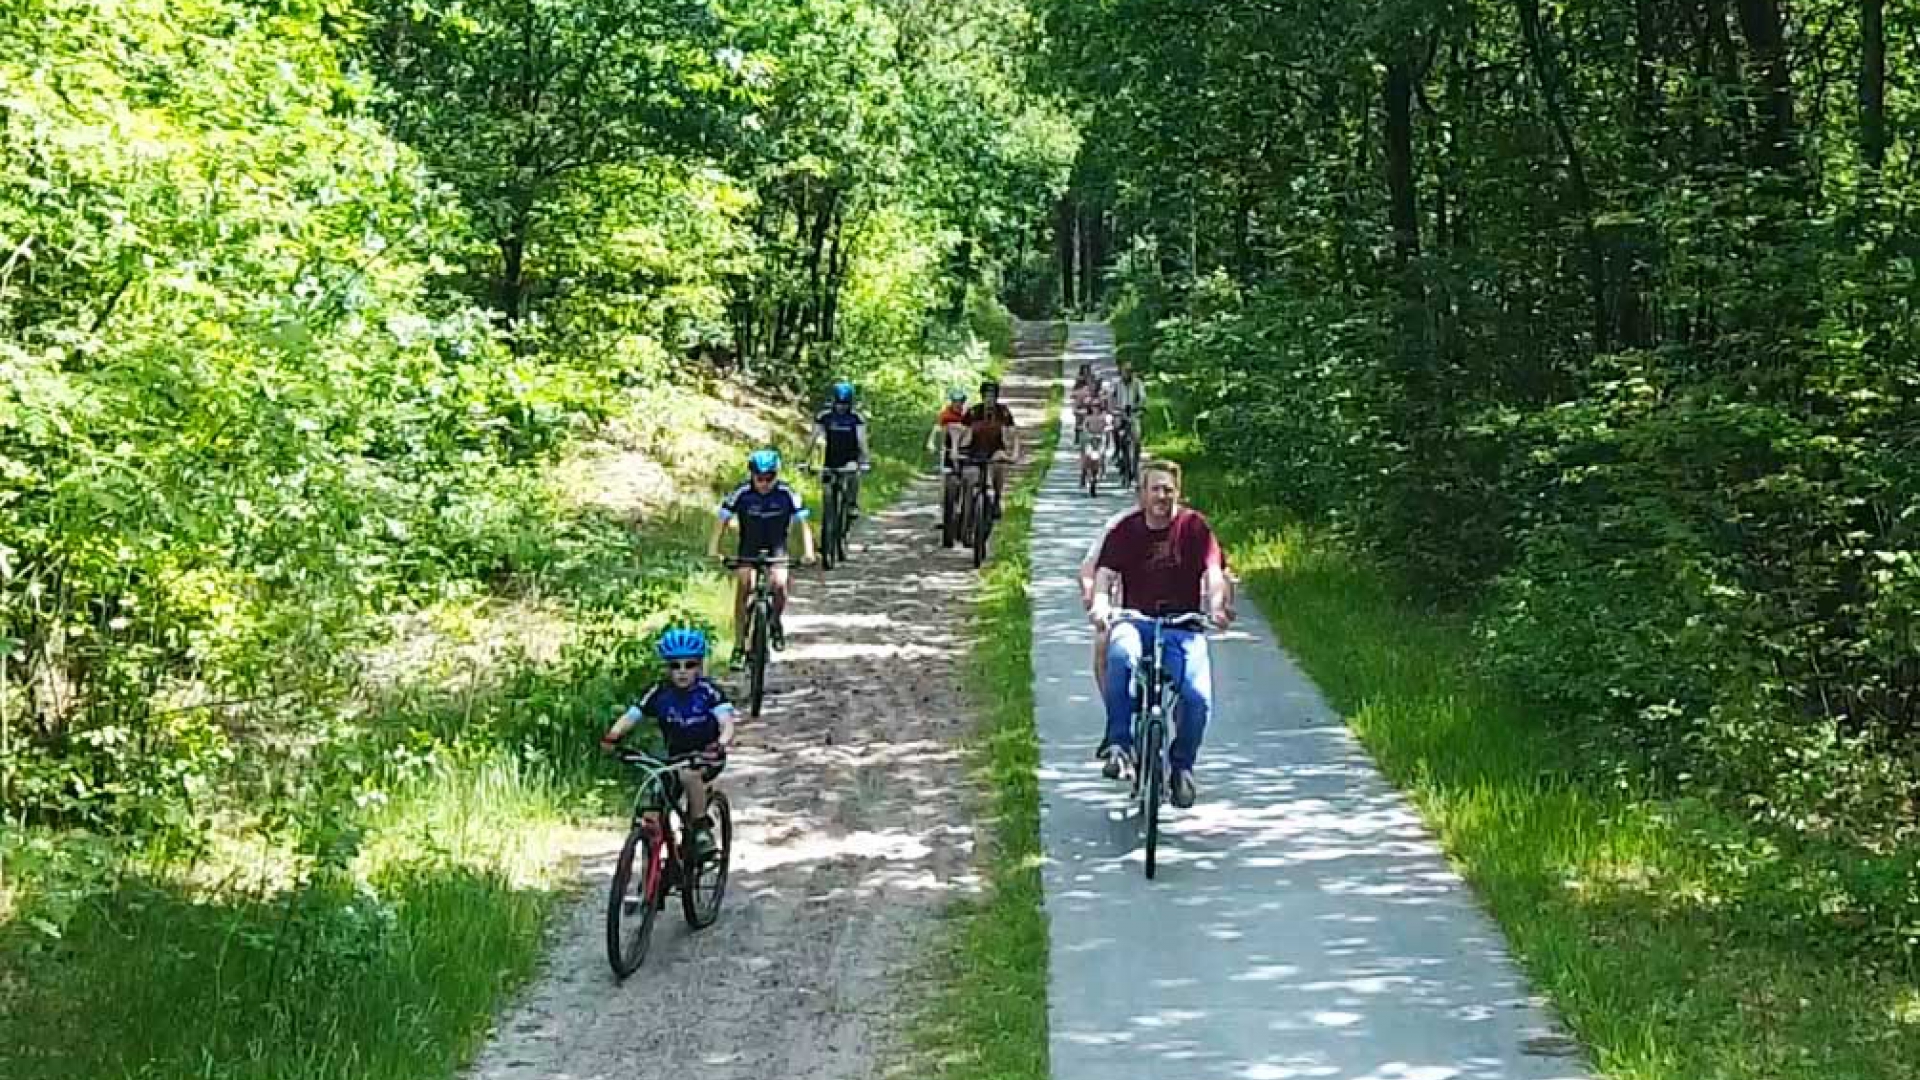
689	719
765	517
843	436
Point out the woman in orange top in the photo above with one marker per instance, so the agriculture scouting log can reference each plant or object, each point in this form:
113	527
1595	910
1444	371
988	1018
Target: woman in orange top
953	414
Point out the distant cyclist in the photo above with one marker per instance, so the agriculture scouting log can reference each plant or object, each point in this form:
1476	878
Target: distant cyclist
765	510
694	717
1166	561
1129	403
948	428
844	431
991	439
1086	390
952	415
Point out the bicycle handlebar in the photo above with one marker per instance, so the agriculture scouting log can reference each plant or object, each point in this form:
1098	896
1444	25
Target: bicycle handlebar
1186	620
758	562
850	467
655	761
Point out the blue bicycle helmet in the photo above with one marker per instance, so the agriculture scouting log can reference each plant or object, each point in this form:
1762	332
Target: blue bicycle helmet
843	391
682	643
957	396
762	462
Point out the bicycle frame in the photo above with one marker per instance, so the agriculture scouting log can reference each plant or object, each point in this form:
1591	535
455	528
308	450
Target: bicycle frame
657	807
1155	701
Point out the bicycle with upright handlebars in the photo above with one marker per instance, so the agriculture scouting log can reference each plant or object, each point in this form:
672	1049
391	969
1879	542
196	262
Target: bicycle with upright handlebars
836	510
977	504
759	622
1154	698
658	859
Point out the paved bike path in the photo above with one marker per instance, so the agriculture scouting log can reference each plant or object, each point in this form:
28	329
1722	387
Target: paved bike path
1303	923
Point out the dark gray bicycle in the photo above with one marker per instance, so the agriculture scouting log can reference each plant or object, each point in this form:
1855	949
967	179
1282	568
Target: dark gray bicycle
759	623
1154	700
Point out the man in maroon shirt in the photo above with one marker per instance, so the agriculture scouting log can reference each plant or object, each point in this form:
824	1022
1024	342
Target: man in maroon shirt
1167	562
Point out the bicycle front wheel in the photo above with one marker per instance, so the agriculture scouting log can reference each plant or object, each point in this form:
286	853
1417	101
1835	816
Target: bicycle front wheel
706	881
829	524
982	524
638	879
757	656
1153	762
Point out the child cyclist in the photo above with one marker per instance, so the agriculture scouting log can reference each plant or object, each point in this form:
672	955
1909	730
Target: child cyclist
1094	436
694	717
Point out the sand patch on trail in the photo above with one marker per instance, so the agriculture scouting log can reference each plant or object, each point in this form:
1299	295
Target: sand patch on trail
853	830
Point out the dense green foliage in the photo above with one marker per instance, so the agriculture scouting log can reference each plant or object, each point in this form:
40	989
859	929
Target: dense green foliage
298	297
1676	939
321	323
1595	315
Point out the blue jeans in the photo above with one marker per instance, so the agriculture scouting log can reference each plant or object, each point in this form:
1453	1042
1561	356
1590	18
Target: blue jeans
1185	654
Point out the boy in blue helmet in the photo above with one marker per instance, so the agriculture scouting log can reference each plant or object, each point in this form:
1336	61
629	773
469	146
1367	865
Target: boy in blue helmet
694	717
764	510
844	431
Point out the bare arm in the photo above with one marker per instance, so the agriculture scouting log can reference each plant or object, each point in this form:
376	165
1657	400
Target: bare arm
1101	610
719	530
1217	587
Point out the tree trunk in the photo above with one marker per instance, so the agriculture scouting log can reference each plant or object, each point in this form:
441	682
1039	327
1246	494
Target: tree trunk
1720	60
1583	202
1761	24
1402	201
1873	83
1089	217
1646	66
836	279
824	217
1066	247
511	291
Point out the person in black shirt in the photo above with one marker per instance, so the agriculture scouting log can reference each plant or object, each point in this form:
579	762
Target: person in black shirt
764	510
844	431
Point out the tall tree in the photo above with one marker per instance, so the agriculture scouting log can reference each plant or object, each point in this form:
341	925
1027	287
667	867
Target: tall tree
1873	83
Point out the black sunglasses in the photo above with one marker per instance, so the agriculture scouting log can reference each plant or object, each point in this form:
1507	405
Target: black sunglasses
683	665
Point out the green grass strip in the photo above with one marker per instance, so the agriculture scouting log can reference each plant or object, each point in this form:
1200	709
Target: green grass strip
1658	927
989	1022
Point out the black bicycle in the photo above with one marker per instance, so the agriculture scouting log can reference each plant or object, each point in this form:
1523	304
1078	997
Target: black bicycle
1126	448
1154	698
953	490
759	623
976	518
836	512
658	859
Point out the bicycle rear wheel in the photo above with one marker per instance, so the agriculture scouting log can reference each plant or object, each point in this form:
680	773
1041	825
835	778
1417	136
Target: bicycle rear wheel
632	902
706	881
757	655
843	512
949	513
1153	763
982	523
829	522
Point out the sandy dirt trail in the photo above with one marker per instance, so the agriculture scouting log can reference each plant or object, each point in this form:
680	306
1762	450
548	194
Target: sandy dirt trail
853	828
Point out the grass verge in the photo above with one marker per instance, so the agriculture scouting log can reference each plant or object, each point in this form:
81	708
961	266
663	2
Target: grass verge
1679	943
989	1021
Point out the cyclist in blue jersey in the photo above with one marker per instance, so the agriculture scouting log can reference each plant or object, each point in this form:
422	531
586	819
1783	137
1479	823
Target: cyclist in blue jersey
694	717
764	510
844	432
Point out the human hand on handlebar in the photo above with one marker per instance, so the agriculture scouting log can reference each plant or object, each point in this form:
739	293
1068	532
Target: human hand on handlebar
1221	616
